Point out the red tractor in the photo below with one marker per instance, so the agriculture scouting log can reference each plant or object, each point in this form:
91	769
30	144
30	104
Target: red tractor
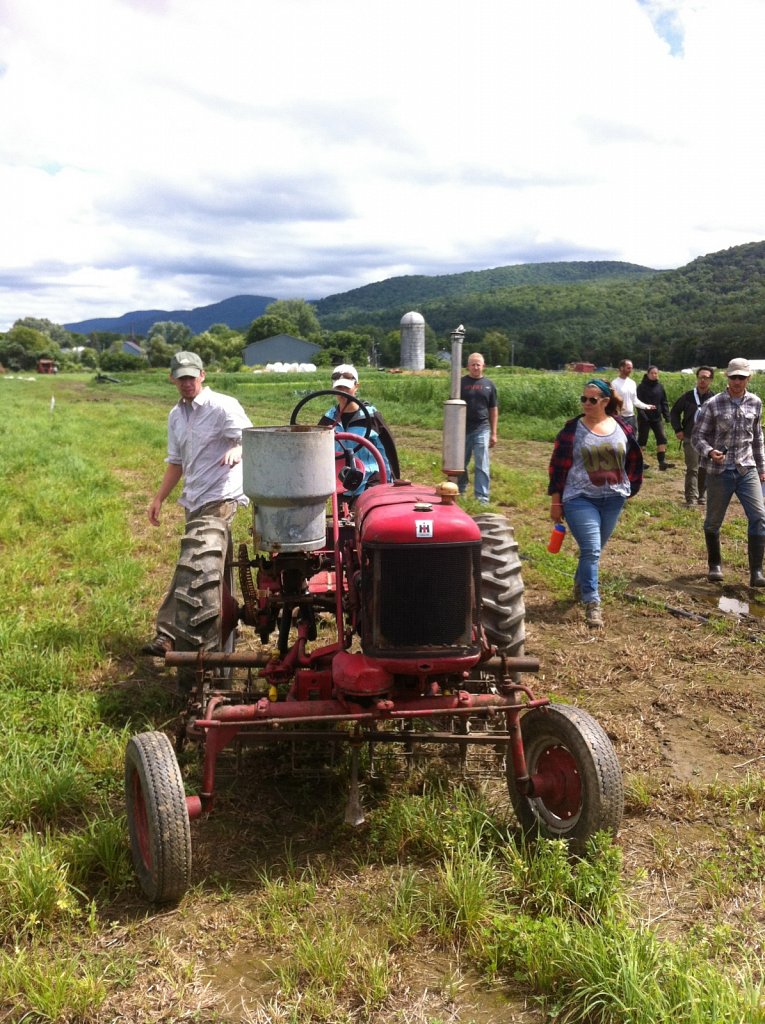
427	648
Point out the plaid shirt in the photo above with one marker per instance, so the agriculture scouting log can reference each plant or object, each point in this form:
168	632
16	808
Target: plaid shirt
737	426
563	457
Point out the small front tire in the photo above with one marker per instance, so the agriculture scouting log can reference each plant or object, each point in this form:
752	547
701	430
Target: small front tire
158	819
576	776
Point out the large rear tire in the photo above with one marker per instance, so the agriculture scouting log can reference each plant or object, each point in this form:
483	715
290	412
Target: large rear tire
503	611
158	819
206	609
576	775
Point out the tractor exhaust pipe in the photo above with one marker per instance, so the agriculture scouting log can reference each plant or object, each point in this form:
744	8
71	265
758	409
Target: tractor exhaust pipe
453	458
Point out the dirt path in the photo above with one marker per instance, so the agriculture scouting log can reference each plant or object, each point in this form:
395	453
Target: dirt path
677	679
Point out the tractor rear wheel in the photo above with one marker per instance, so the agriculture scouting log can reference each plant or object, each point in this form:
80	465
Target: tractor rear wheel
158	820
576	776
206	609
503	611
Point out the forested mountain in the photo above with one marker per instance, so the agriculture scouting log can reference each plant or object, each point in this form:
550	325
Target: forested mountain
539	315
412	290
702	312
237	312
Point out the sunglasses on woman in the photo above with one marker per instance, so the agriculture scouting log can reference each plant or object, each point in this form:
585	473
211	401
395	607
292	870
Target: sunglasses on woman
592	401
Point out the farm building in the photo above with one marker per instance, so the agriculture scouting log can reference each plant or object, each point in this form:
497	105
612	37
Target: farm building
132	348
282	348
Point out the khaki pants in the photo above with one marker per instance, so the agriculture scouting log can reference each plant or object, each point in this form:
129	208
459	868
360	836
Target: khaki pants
166	614
695	474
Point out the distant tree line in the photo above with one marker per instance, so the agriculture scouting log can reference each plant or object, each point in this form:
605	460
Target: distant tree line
220	346
537	315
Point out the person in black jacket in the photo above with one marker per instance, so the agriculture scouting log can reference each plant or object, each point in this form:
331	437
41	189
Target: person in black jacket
681	416
650	391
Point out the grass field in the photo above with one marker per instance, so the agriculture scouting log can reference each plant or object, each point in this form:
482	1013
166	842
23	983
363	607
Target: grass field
345	926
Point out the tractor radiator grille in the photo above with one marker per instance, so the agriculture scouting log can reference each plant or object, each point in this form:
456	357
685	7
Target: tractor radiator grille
423	597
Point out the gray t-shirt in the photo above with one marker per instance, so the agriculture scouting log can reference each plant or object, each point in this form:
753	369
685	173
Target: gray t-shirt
598	466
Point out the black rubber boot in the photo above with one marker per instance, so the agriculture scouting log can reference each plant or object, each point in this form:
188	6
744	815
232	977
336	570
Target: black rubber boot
714	559
756	551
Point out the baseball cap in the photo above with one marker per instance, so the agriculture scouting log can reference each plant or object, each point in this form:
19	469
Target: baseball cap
739	367
344	376
186	364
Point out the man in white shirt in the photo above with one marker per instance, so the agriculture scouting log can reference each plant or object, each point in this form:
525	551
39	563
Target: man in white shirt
626	388
204	449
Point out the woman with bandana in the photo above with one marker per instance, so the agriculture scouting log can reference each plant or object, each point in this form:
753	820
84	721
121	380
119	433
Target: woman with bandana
596	466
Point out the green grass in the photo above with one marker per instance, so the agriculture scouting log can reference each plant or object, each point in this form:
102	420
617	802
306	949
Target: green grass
79	582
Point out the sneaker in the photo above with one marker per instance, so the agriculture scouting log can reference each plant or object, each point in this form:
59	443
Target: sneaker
593	615
666	465
158	647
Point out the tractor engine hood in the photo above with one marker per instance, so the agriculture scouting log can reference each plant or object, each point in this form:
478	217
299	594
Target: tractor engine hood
405	513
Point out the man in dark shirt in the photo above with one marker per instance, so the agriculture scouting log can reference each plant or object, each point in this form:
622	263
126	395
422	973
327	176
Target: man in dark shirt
480	396
682	416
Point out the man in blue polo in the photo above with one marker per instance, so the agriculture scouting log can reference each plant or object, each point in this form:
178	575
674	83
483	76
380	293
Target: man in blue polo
480	396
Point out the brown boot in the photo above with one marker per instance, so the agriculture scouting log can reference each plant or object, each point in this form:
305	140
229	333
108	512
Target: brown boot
158	647
593	615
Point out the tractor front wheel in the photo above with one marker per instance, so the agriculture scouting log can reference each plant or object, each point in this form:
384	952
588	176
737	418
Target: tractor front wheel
158	820
576	777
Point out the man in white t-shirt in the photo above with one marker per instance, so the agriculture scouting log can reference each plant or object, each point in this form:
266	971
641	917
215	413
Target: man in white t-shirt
204	448
626	388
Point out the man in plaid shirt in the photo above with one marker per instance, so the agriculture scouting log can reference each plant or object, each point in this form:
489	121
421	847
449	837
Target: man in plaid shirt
727	435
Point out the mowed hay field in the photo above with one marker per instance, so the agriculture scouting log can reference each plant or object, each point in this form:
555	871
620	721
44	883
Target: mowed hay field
432	911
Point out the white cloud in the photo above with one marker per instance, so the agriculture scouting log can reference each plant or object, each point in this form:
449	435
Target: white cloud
169	154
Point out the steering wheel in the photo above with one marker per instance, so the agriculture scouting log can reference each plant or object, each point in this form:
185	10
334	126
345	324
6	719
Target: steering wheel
338	394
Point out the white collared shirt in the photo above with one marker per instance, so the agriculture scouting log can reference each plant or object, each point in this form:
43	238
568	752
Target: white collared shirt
626	388
197	440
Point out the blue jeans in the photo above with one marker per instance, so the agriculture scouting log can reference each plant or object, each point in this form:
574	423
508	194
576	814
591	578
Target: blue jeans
477	445
591	521
747	487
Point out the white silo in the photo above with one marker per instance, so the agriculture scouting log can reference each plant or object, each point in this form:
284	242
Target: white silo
412	341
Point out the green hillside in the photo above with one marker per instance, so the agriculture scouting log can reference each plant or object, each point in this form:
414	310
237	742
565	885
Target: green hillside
419	288
703	312
537	315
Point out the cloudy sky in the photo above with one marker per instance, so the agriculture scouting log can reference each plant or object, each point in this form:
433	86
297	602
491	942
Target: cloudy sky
172	153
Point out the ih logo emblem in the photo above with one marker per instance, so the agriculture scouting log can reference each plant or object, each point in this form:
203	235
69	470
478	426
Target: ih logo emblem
423	527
